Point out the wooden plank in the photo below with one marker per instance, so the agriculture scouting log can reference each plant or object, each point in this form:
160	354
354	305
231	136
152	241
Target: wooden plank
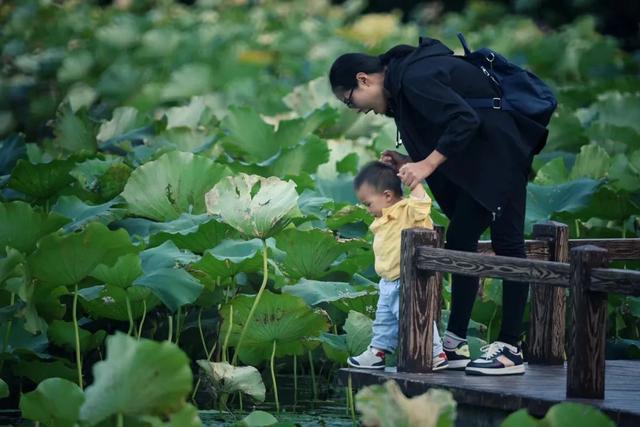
419	302
545	342
473	264
539	389
619	249
585	373
535	249
615	280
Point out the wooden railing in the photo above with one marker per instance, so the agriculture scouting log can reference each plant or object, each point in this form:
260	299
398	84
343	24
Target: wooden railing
547	270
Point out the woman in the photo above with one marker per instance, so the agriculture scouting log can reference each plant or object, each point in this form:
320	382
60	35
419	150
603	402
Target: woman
476	162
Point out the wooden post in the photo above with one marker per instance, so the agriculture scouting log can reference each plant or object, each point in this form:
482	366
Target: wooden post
585	373
440	230
546	333
419	303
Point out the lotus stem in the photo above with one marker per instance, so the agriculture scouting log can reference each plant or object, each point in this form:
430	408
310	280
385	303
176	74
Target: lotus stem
265	277
178	324
350	399
313	377
129	315
76	330
170	335
240	400
120	419
227	335
144	315
7	334
273	377
204	344
295	380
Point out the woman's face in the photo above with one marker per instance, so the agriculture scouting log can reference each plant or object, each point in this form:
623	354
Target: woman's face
369	95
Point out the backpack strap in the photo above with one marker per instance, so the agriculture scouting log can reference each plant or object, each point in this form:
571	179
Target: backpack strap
463	42
490	103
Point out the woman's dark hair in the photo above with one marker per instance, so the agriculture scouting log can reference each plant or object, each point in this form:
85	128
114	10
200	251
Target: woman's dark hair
342	75
380	176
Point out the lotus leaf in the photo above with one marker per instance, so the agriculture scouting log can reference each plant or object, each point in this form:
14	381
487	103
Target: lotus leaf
55	402
21	226
137	378
227	378
255	206
173	184
285	319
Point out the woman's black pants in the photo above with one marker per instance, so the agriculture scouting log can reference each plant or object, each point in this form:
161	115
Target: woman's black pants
468	220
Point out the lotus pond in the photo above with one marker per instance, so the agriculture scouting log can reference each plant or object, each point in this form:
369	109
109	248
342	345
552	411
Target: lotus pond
178	229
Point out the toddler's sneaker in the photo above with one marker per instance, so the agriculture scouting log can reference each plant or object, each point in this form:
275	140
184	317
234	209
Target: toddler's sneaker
368	359
458	357
498	358
440	362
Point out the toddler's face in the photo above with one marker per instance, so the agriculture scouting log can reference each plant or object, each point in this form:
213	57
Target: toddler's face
374	200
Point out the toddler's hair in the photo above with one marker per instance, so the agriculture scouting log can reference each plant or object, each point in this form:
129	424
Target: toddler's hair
380	176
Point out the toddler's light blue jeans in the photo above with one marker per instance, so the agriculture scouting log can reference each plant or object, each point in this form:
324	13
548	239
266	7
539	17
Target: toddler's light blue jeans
385	326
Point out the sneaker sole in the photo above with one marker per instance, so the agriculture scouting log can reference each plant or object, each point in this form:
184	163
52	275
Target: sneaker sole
440	368
511	370
458	365
364	367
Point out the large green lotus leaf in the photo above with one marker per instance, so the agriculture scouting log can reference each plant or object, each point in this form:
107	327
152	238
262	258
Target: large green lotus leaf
617	139
285	319
62	334
105	178
42	180
167	255
565	131
187	81
592	162
185	417
255	141
39	370
145	228
137	378
124	120
74	132
304	157
227	378
385	405
55	402
359	330
310	253
334	347
552	173
4	389
173	184
198	238
348	214
188	116
259	419
315	292
543	201
81	213
20	340
608	203
174	287
230	258
561	414
618	109
122	273
110	302
81	95
21	226
11	150
165	277
67	259
624	174
255	206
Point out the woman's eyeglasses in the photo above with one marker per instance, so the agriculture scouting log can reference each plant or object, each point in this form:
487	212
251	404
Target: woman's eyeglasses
349	101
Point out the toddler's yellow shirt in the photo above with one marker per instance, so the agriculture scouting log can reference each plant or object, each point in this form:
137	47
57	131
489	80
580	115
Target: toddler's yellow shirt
387	231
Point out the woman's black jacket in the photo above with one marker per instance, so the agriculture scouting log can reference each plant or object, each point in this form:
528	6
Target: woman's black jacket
489	152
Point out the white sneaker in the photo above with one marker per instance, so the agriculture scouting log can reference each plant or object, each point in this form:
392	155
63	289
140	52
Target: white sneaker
498	358
369	359
439	362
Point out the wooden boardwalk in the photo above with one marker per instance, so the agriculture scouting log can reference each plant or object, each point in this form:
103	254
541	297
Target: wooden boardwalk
539	389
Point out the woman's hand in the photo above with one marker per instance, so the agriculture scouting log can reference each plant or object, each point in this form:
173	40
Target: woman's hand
394	159
412	174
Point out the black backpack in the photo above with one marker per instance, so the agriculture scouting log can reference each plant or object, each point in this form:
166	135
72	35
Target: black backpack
520	90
